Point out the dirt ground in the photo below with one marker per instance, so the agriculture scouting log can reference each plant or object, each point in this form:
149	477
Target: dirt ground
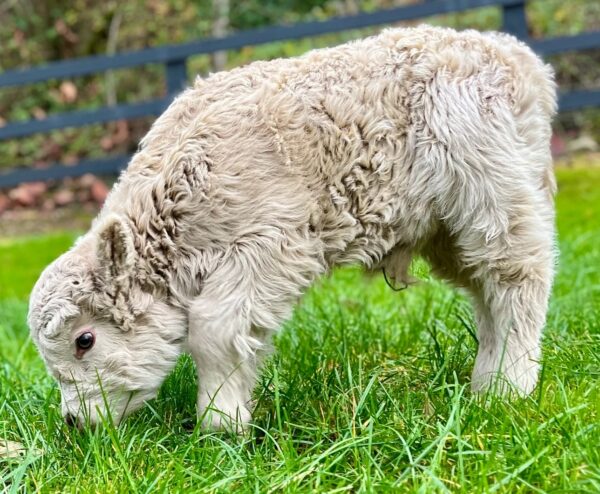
28	222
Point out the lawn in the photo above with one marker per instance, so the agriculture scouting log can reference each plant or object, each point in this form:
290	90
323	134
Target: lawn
369	391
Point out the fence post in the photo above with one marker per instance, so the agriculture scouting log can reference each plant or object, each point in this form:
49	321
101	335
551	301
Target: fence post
176	76
514	20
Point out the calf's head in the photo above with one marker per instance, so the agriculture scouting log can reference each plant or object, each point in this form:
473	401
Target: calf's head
107	333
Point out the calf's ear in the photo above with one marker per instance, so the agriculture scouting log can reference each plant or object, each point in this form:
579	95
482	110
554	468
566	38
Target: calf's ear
117	262
116	250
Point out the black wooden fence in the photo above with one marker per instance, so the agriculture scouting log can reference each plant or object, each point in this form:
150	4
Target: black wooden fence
174	58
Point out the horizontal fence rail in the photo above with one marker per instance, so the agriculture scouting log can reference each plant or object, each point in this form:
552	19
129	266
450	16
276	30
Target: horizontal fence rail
174	59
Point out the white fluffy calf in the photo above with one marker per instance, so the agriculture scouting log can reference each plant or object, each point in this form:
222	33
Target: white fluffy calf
256	181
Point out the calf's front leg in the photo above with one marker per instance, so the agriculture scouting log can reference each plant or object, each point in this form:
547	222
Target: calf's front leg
226	355
242	303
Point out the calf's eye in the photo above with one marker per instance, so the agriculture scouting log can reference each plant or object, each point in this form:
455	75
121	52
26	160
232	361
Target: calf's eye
85	341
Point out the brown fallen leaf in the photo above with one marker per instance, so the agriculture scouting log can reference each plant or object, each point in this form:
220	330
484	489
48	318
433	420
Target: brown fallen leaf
68	91
12	449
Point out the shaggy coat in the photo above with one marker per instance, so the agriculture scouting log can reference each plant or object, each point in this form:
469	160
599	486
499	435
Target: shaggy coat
256	181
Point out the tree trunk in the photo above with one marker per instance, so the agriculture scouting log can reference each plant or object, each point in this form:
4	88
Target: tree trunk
219	29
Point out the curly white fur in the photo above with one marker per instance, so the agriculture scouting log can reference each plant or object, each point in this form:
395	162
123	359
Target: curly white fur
256	181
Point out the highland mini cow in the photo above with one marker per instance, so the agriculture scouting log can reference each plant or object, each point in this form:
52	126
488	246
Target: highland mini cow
256	181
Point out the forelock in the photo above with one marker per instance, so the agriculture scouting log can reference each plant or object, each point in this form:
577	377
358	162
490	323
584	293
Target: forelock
53	299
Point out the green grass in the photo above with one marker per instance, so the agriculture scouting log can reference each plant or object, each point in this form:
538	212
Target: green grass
368	392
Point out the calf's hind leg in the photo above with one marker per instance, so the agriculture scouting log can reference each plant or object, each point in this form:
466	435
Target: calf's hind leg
511	300
509	278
